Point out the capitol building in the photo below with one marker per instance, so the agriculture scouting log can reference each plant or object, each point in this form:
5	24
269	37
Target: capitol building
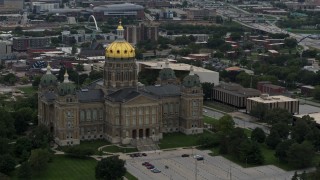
116	108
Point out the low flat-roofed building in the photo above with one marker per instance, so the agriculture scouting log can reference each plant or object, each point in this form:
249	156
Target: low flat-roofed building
233	94
205	75
271	102
307	90
315	116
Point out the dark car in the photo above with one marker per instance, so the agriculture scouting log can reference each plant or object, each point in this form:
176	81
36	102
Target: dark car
144	154
200	159
185	155
146	164
150	166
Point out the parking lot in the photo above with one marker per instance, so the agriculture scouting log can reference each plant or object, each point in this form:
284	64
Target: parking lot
182	168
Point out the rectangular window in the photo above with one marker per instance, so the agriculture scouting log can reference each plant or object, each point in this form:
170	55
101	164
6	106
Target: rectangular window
88	113
82	114
153	119
117	121
146	120
94	114
140	120
101	114
134	120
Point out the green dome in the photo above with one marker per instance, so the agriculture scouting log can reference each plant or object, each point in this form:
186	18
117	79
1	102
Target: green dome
191	81
167	73
66	89
48	80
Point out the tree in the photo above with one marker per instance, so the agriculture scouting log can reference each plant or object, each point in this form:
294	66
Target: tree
273	139
300	130
25	171
282	149
4	146
226	124
6	124
316	92
79	67
74	50
110	168
277	115
235	36
301	155
40	137
295	176
7	163
23	145
22	117
258	135
290	42
95	75
282	129
249	152
36	81
18	30
39	159
259	111
207	89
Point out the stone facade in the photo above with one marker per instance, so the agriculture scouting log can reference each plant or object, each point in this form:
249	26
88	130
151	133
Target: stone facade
115	108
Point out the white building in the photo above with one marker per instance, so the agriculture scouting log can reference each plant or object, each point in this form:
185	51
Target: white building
205	75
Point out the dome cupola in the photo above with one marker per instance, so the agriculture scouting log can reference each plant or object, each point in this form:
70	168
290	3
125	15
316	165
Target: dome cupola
192	80
66	87
48	79
120	48
167	73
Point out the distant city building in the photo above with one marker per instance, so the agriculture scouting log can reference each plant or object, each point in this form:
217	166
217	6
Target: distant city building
40	7
104	12
233	94
200	14
272	102
199	37
141	32
11	6
6	50
23	43
269	88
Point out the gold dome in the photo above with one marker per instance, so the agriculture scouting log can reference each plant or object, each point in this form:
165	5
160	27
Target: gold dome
120	49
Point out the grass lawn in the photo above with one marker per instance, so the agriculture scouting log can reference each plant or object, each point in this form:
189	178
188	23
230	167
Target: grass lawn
28	90
219	106
115	149
94	144
174	140
130	176
64	167
209	120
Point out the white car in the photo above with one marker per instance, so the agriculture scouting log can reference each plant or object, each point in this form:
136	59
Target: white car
197	156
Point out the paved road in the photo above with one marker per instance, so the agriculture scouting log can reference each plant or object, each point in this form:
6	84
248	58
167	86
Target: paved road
243	123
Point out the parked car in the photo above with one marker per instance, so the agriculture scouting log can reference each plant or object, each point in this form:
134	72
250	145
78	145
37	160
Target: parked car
200	158
145	163
150	166
185	155
144	154
197	156
155	170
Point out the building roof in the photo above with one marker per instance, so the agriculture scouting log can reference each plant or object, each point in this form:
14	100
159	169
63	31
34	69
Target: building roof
237	90
90	95
164	90
118	7
123	95
273	86
315	116
272	99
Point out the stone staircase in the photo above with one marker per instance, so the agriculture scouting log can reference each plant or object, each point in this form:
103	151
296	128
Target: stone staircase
145	144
